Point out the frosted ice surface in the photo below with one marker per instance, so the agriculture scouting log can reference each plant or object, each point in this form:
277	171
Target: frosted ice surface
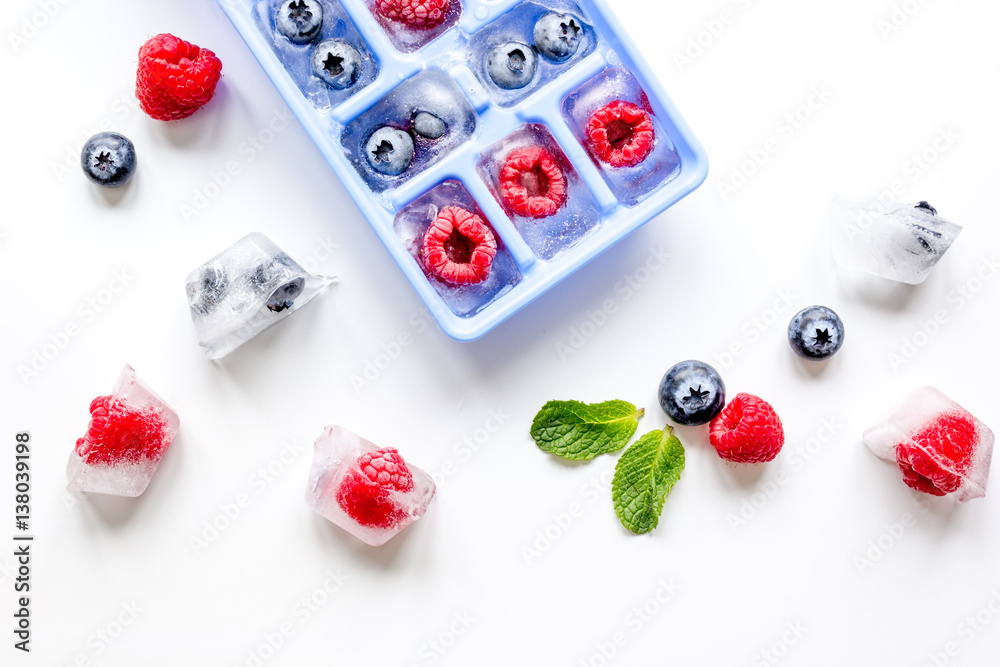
245	289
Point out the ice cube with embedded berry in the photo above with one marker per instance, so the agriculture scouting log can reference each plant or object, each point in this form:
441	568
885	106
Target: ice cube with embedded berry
319	47
243	290
900	242
456	247
369	491
416	125
528	47
940	447
540	190
611	117
128	434
412	24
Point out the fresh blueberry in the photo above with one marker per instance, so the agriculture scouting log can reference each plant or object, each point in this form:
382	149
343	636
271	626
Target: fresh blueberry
337	63
692	393
207	291
299	20
428	125
816	333
389	151
108	159
511	65
557	36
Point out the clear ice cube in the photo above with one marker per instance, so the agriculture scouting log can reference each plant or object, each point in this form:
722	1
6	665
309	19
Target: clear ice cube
579	215
128	434
431	91
518	26
901	242
297	58
372	503
411	225
630	184
245	289
940	447
406	37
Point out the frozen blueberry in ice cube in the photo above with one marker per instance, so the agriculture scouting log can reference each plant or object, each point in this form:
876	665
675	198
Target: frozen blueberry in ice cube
271	272
299	20
207	289
389	151
108	159
428	125
511	65
557	36
336	63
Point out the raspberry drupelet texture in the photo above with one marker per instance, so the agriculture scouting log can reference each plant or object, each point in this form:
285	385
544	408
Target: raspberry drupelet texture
119	434
621	134
175	78
939	455
747	430
367	497
531	183
421	14
459	247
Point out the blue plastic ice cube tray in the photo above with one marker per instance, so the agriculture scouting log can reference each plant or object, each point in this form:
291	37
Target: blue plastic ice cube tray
447	75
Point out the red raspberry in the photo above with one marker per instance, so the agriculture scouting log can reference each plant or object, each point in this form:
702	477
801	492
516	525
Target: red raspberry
747	430
459	247
621	134
424	14
939	455
119	434
175	78
386	468
531	183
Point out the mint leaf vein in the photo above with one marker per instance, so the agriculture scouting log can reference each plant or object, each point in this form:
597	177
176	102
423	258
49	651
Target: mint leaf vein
644	475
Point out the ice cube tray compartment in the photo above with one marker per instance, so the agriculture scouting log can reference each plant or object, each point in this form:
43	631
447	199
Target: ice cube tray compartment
528	264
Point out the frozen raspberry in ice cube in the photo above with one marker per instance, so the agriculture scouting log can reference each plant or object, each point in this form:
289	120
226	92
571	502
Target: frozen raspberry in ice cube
531	183
940	447
368	491
420	14
621	134
459	247
128	434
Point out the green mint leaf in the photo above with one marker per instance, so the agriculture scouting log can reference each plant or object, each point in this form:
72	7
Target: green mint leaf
578	431
644	475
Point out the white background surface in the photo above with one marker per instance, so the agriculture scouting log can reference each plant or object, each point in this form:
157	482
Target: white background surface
824	551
